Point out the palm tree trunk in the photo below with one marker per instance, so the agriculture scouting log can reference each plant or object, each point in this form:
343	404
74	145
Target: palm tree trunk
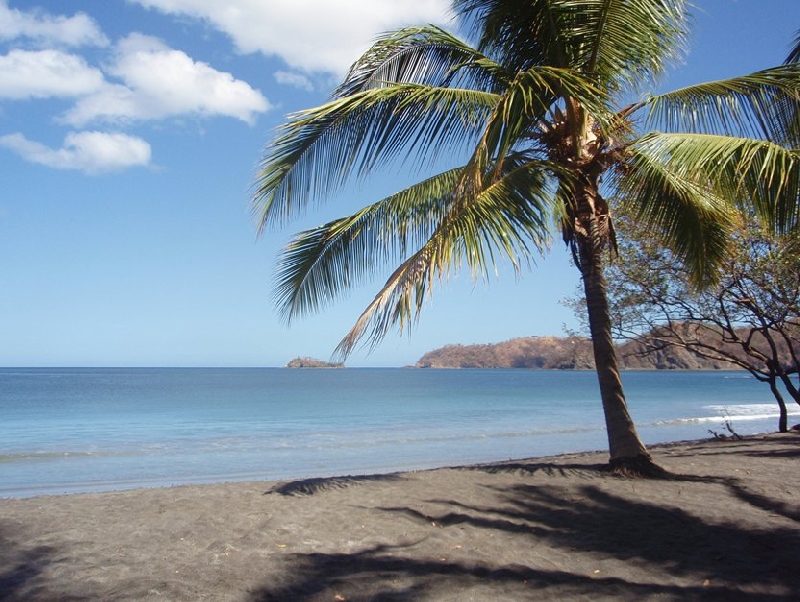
628	454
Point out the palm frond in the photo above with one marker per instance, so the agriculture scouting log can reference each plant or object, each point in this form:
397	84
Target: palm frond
758	105
625	44
792	114
617	43
519	35
755	175
321	262
766	177
320	148
673	198
691	185
424	55
794	54
509	218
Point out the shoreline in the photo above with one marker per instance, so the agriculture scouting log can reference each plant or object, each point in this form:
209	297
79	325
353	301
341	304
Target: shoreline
119	487
726	526
139	430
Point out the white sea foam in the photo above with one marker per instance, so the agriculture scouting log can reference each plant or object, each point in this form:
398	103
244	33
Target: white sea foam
755	411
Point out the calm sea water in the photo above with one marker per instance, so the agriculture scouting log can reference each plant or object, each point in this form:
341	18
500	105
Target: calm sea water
73	430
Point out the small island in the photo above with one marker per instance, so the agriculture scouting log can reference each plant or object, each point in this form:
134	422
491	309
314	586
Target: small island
310	362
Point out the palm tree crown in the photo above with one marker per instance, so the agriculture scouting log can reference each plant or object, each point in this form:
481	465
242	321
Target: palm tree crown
542	108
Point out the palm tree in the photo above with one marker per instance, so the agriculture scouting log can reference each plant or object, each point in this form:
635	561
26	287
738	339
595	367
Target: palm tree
534	127
794	53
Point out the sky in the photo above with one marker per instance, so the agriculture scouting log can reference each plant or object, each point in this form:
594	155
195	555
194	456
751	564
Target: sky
130	135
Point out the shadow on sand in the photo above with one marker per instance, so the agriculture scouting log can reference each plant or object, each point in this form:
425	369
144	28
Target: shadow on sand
317	485
686	557
21	569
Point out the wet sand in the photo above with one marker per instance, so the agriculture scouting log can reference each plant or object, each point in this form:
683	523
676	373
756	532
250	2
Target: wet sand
726	526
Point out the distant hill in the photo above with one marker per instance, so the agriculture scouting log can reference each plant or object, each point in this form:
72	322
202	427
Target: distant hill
561	353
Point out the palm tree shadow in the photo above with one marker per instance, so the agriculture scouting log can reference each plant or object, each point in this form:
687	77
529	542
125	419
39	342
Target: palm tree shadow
764	502
533	467
305	487
786	452
720	561
668	536
788	446
580	469
22	567
382	574
596	521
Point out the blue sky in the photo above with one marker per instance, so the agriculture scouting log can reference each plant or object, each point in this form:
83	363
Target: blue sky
130	132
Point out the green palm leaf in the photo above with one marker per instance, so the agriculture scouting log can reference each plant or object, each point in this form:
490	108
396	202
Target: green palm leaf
510	217
662	186
625	44
424	55
751	174
319	263
617	43
318	149
759	105
766	176
794	54
689	186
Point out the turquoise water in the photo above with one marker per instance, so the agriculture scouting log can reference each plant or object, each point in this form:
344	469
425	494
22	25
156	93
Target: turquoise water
71	430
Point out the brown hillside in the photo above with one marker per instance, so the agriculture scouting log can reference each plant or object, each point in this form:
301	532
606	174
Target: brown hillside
561	353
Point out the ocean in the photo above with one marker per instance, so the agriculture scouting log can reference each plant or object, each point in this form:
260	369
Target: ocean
69	430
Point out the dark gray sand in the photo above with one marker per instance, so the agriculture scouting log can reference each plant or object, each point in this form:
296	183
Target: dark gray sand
726	527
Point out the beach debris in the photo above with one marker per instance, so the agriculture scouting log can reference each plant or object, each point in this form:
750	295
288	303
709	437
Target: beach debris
733	436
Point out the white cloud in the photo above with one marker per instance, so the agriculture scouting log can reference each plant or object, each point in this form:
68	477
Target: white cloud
37	25
91	152
159	82
309	35
45	73
293	79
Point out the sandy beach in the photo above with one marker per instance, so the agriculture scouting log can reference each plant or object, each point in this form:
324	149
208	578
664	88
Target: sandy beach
725	527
